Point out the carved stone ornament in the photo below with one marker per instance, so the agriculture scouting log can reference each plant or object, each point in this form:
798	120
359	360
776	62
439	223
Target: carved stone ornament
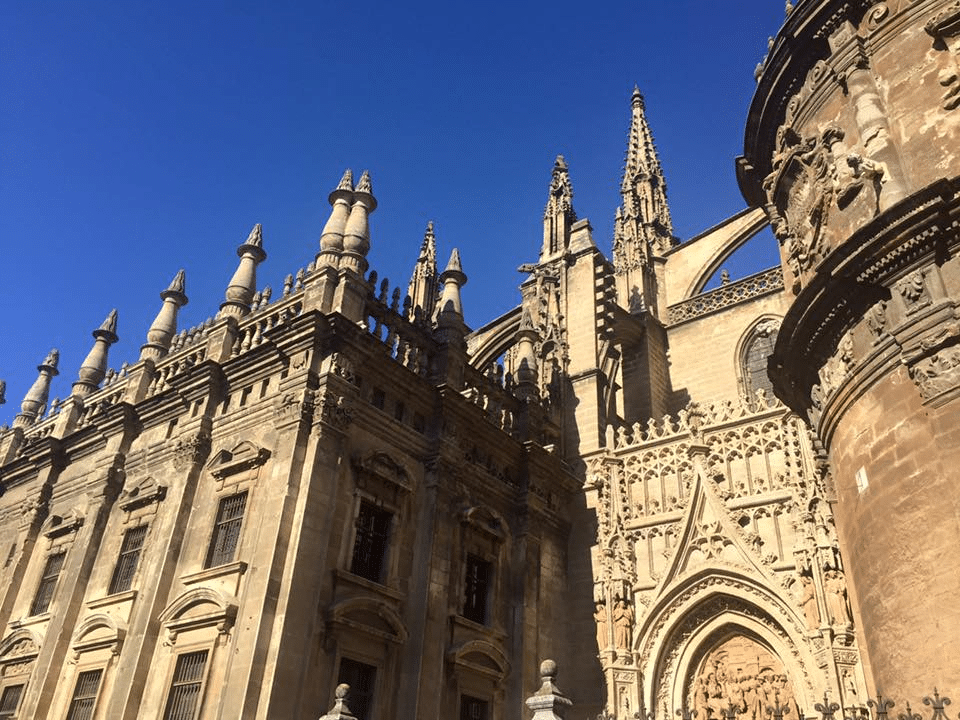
343	366
191	449
59	525
244	456
913	290
944	28
336	411
937	374
294	406
143	493
808	180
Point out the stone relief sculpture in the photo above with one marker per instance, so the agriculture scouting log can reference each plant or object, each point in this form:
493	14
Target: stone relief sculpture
623	624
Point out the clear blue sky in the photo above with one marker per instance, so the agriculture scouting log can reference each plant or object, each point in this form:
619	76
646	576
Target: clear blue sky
140	138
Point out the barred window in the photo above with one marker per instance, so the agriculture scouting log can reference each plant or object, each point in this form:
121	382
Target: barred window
226	531
128	560
9	701
361	678
85	695
472	708
370	544
186	686
755	364
476	589
48	583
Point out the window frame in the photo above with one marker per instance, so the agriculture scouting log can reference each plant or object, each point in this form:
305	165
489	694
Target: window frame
73	708
478	611
48	580
371	696
383	562
123	558
202	682
12	713
215	556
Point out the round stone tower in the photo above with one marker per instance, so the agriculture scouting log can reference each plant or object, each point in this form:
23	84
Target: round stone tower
853	148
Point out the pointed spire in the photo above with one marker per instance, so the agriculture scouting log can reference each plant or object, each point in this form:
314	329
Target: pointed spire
527	371
356	234
94	367
559	214
644	189
423	282
449	310
331	239
164	326
36	398
243	284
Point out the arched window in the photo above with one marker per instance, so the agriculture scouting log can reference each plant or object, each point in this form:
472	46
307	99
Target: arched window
756	347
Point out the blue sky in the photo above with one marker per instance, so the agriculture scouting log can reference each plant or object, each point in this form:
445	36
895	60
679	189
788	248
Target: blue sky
141	138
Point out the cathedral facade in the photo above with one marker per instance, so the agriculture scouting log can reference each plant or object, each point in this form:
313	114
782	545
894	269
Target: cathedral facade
728	501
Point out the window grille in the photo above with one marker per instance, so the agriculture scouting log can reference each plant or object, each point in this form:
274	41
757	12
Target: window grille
472	708
476	589
186	686
370	544
128	560
226	531
361	678
85	695
9	701
48	583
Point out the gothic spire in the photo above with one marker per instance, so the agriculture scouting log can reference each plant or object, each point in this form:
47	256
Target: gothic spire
644	189
94	367
36	398
423	282
164	326
559	214
243	284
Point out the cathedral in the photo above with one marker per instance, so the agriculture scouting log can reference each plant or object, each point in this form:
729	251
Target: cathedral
723	503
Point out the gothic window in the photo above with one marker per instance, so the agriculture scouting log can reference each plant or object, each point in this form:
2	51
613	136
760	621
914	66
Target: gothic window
9	701
226	530
48	583
183	700
128	560
472	708
85	695
476	589
753	358
361	678
370	541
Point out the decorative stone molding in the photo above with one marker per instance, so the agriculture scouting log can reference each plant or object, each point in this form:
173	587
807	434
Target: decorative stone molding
754	286
145	492
191	450
294	406
244	456
938	376
198	608
335	410
88	639
57	526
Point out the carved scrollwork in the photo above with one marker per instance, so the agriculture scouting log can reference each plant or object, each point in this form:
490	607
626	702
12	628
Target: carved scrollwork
937	374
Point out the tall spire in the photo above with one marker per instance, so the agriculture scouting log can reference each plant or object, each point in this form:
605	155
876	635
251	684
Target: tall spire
243	284
94	367
644	189
423	282
36	398
559	214
164	326
642	226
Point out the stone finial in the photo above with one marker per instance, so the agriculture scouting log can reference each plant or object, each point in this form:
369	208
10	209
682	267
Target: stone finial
548	703
449	311
331	239
422	288
340	711
164	326
36	397
528	372
356	234
243	284
559	214
94	367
